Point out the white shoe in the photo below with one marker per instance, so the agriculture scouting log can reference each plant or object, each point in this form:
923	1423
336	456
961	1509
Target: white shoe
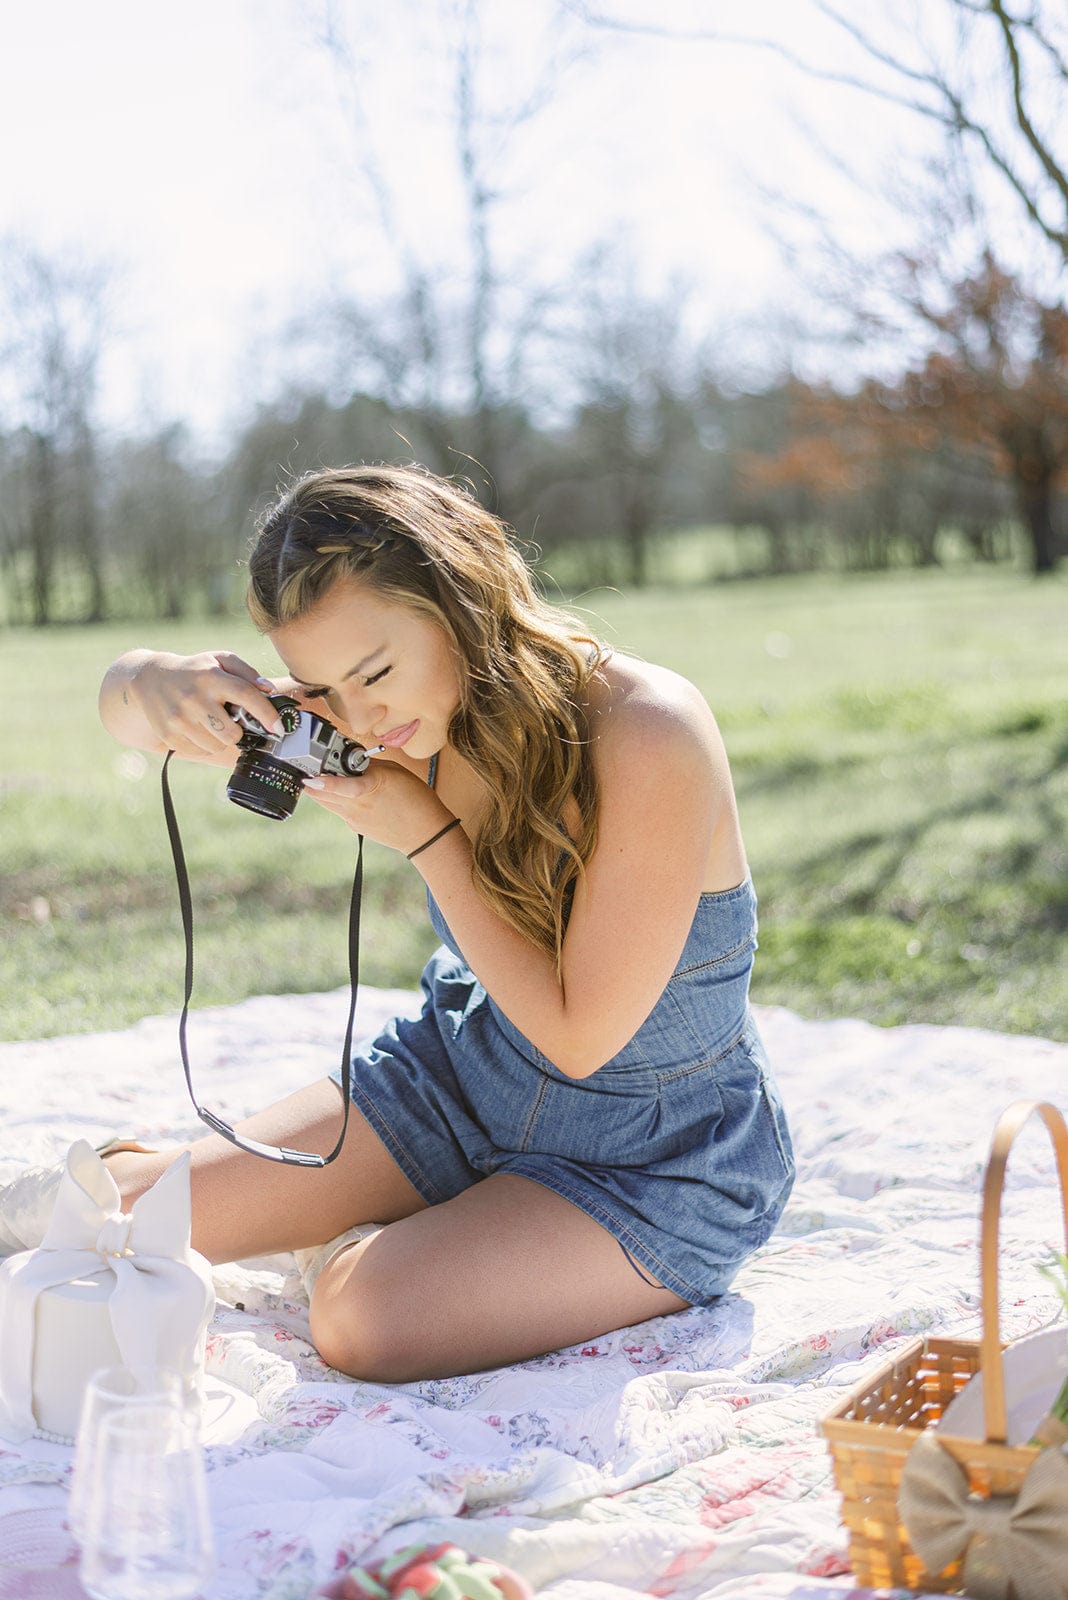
311	1262
27	1202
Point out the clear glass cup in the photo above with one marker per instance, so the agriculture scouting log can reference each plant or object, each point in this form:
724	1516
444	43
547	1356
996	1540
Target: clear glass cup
115	1390
147	1533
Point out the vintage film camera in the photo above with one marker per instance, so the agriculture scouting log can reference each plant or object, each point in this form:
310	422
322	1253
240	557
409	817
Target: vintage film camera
271	768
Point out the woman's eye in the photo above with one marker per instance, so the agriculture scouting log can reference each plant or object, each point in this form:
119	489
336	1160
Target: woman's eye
316	694
367	682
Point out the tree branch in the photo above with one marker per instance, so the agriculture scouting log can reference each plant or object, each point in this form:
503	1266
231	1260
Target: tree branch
949	110
956	118
746	41
1029	26
1023	121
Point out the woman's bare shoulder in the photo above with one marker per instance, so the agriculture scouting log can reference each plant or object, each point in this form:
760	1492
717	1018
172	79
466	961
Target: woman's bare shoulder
631	698
659	756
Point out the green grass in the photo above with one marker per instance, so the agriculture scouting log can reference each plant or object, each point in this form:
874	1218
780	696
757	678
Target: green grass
900	751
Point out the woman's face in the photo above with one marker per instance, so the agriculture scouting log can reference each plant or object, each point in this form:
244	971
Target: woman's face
388	671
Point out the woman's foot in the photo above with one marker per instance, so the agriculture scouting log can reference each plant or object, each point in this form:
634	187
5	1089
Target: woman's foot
26	1205
27	1202
311	1262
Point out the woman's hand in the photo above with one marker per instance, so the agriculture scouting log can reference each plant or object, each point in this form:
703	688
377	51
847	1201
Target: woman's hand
155	700
386	803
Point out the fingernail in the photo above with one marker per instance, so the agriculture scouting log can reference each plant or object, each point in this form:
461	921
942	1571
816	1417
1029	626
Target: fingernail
314	783
264	683
276	727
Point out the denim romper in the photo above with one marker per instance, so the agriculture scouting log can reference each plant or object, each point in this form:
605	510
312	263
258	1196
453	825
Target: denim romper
678	1146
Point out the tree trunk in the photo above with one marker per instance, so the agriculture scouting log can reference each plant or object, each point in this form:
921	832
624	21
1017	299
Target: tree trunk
636	534
778	545
1037	505
43	521
88	521
923	541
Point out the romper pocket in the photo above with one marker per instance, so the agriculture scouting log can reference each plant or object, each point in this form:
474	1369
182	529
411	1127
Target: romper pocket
615	1123
704	1009
777	1118
771	1100
746	1160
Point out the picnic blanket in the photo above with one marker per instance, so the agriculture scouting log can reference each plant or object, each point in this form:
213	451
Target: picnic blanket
680	1458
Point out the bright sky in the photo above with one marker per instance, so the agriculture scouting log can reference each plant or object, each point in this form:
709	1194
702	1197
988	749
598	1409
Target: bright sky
206	149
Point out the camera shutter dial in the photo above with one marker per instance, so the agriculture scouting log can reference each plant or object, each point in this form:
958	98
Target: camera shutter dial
353	760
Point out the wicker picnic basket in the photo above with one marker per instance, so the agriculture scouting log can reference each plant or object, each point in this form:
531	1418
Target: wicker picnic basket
871	1432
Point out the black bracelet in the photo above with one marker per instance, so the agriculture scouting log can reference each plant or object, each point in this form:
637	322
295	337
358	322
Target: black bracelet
455	823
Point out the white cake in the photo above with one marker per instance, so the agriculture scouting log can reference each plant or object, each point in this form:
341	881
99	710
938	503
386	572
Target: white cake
104	1289
72	1339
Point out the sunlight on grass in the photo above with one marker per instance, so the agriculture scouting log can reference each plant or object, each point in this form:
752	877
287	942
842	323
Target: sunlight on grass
900	750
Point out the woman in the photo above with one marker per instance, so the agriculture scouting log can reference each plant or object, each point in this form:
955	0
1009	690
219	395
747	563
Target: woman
580	1131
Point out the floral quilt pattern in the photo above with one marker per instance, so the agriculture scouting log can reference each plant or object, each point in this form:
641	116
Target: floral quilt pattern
680	1459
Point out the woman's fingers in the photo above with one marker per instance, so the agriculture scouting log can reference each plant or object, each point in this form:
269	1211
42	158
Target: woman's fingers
205	730
198	720
385	803
238	667
344	794
191	710
243	686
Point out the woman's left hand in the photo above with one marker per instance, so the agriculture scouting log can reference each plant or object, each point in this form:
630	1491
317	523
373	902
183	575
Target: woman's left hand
386	803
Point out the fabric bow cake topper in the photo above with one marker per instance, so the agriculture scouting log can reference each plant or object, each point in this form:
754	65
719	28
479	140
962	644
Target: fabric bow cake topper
162	1298
1013	1545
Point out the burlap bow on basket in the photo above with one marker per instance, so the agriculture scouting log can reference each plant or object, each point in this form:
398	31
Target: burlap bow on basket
162	1296
1013	1546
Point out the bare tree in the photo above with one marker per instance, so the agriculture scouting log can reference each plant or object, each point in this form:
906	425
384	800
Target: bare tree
174	545
453	341
1012	110
54	322
987	74
632	366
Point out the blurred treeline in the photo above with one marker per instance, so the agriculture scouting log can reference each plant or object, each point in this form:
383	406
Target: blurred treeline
597	415
965	451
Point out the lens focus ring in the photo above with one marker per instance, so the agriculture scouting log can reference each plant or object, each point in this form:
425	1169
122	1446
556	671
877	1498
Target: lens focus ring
268	787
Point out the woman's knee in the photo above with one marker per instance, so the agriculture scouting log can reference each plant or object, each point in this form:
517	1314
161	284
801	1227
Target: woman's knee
359	1323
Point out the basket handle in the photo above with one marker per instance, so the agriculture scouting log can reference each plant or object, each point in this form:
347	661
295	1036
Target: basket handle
1008	1126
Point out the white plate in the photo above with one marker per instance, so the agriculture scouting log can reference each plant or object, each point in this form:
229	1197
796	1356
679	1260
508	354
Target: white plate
226	1411
1035	1369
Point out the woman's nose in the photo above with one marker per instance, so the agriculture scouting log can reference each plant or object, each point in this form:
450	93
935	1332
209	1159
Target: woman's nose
363	711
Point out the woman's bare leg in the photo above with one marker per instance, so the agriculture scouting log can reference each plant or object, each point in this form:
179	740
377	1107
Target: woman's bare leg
505	1271
246	1206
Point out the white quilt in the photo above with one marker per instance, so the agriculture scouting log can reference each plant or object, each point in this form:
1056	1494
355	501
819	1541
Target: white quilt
680	1458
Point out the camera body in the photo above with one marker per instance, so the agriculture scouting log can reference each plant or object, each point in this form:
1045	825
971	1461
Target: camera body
271	768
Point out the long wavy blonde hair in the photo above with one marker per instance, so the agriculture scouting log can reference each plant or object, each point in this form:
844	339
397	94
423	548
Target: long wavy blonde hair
525	665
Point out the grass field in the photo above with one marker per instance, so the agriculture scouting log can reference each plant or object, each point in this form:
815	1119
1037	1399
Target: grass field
900	750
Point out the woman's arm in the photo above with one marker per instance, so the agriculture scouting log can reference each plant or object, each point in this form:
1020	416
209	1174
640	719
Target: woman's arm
154	700
667	829
665	794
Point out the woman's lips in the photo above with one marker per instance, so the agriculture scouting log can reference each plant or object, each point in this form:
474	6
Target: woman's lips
399	736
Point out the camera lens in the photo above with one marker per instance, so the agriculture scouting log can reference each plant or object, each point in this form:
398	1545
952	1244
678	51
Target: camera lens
261	784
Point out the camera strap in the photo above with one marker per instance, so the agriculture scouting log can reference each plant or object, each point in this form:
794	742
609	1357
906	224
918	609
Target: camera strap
301	1158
